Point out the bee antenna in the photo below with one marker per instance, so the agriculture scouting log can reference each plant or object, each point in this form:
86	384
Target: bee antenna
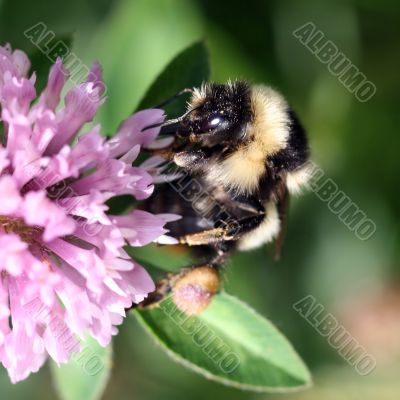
174	97
169	121
165	123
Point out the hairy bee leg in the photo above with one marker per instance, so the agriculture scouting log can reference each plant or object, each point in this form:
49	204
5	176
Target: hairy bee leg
169	151
223	251
204	276
163	289
191	160
206	237
166	152
250	204
165	286
233	231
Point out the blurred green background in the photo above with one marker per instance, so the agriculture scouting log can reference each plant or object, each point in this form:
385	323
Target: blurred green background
356	144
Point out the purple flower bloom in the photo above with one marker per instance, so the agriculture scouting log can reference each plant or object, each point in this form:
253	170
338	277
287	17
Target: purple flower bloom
63	269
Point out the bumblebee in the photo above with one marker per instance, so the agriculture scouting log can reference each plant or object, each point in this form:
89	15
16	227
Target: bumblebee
239	151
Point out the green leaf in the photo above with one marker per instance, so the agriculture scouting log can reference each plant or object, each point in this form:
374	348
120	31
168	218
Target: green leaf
229	343
188	69
166	258
155	272
86	375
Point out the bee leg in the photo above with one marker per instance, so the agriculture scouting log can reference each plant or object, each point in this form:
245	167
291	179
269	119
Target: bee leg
162	290
164	287
206	237
230	232
190	160
166	152
169	151
191	288
223	251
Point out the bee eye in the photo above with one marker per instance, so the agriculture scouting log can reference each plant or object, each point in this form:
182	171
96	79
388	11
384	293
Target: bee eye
212	122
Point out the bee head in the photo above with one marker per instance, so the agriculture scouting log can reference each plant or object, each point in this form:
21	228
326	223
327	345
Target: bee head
216	114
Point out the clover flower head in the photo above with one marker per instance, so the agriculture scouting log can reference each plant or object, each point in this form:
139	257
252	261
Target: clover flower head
63	268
